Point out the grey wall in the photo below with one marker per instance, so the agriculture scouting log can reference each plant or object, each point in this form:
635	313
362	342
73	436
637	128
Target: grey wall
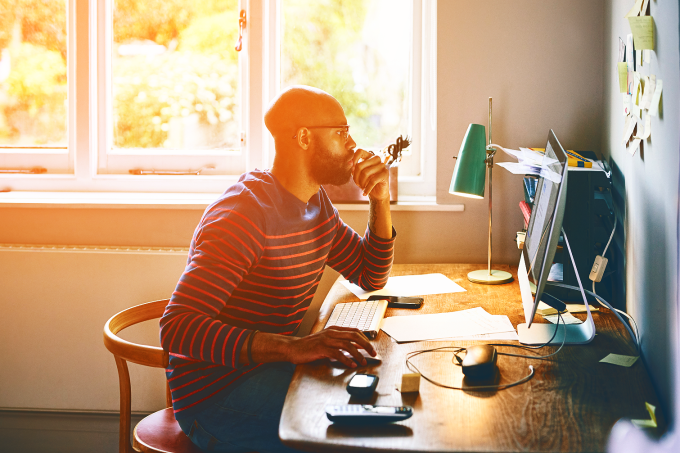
648	182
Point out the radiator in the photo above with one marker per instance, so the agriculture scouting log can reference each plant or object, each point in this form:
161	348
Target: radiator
54	301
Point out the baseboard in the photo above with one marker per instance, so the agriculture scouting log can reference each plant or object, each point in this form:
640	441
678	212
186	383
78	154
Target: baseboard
52	431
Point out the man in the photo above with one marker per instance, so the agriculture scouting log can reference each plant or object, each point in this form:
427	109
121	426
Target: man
254	264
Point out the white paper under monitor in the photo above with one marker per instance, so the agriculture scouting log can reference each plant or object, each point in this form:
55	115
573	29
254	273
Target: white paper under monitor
410	285
463	323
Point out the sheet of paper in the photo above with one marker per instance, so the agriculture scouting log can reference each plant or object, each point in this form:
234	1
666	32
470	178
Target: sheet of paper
626	103
635	10
630	51
545	309
501	336
520	169
473	321
643	10
647	56
656	98
643	32
634	146
636	89
621	360
410	285
651	423
529	155
628	129
502	320
622	51
650	86
648	126
638	59
567	318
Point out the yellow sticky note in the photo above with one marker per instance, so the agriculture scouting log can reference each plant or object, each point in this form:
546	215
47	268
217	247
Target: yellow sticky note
656	98
621	360
651	423
623	77
643	32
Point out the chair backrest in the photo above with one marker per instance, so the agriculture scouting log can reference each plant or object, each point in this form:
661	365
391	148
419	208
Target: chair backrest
125	351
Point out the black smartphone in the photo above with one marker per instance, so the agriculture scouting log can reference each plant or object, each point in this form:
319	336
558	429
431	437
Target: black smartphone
400	302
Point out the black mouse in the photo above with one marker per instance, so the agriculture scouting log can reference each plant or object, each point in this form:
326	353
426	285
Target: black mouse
480	362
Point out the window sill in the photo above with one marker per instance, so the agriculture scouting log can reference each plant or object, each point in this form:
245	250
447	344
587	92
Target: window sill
198	201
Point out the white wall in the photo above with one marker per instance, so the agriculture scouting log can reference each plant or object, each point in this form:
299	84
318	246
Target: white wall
649	183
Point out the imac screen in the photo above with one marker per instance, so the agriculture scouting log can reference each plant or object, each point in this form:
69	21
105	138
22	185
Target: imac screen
544	226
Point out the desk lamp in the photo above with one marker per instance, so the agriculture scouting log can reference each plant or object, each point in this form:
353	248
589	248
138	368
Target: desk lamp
474	159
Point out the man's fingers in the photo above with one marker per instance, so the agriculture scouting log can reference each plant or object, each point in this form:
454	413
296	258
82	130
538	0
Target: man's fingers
353	335
342	358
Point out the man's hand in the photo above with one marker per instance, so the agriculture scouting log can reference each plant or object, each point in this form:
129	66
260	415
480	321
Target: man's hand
371	175
329	343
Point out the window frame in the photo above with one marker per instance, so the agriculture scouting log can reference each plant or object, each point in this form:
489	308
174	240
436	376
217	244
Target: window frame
259	84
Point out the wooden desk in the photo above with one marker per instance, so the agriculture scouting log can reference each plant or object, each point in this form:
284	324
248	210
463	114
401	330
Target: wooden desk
570	404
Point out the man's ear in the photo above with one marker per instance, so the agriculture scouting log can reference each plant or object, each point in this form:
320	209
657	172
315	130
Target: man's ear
304	138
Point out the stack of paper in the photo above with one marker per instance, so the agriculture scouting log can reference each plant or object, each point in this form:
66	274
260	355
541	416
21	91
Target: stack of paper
410	285
471	324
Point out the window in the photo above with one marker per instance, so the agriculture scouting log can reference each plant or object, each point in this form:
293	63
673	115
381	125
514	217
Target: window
34	85
168	94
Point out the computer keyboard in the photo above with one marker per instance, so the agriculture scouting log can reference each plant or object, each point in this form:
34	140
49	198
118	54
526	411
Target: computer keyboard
365	316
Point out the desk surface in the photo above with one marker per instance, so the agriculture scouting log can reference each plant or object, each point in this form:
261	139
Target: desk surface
570	404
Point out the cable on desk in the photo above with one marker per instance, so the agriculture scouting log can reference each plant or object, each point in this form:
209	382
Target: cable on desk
603	302
455	350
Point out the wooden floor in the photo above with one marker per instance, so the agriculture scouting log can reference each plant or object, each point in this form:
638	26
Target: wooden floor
570	405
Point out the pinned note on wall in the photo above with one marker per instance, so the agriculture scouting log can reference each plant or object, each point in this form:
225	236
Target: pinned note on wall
635	10
656	98
623	77
643	32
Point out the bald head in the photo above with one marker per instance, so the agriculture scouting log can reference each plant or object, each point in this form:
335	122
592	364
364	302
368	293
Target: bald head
298	106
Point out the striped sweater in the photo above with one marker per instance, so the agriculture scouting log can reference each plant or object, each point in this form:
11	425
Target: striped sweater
254	263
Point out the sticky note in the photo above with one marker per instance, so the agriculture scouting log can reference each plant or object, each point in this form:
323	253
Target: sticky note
650	86
626	103
651	423
636	88
656	98
634	146
648	126
567	318
621	360
643	32
628	129
623	77
635	10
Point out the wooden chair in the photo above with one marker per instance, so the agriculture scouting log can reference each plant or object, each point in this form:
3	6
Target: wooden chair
159	432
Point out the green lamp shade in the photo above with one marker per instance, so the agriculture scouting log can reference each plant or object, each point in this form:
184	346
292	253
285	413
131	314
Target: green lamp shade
470	172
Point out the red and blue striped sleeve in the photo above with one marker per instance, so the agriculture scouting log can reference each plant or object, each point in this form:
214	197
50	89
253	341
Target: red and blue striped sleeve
365	261
228	244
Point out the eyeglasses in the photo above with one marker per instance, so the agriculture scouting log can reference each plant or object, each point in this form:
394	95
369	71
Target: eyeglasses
343	132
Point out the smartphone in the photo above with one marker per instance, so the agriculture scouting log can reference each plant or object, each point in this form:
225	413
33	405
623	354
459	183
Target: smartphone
400	302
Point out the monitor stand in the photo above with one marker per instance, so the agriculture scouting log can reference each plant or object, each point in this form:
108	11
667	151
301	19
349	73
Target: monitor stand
541	333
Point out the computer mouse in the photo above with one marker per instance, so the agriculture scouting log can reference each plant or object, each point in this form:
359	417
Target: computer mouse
480	362
370	361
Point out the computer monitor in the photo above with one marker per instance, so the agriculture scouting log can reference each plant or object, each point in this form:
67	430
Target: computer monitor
542	236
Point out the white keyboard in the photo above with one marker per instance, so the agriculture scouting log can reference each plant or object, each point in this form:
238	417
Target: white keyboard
365	316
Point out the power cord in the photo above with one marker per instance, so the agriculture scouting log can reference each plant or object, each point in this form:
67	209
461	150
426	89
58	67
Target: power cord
456	350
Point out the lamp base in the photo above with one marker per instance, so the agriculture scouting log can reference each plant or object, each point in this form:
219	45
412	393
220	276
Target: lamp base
496	277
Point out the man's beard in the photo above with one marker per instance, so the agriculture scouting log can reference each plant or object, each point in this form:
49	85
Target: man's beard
329	169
